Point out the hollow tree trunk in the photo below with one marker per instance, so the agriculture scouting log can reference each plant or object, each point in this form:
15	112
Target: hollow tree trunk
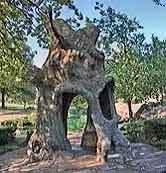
104	117
50	133
108	132
3	98
74	65
89	137
130	109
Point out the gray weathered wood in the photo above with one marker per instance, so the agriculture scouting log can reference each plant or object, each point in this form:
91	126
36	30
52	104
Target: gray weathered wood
74	67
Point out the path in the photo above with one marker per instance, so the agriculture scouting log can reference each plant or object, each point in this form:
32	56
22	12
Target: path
13	113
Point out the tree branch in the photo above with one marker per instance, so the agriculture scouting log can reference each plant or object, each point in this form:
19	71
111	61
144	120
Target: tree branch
57	37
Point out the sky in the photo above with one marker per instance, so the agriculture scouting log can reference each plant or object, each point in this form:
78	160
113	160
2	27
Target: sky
150	16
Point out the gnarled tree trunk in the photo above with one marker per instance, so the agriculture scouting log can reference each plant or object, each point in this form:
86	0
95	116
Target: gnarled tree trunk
75	67
50	132
89	137
66	102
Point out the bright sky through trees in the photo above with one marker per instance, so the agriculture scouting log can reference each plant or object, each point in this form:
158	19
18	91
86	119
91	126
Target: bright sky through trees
150	16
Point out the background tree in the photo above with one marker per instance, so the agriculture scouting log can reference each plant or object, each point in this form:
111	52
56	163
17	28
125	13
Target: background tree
128	71
33	16
18	20
13	69
15	54
159	2
117	29
156	74
24	95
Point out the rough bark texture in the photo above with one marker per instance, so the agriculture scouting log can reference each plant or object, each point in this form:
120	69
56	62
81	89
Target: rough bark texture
130	109
3	98
89	137
74	67
66	102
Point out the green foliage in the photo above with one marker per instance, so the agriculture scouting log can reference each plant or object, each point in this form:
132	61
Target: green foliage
124	46
24	95
13	71
155	129
10	123
25	126
18	20
15	54
34	15
155	82
128	72
77	114
6	134
116	28
147	131
137	67
134	131
32	118
79	105
25	122
76	123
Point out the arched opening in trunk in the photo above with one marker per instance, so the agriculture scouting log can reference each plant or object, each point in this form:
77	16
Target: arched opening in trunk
106	100
77	120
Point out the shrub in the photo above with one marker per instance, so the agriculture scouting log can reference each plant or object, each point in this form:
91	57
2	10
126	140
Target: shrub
161	144
24	125
24	122
6	134
155	132
76	123
148	131
10	123
134	131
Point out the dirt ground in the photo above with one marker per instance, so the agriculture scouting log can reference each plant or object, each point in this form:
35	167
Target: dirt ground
11	114
147	159
122	109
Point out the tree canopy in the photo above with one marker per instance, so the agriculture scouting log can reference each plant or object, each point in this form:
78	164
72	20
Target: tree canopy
137	66
20	19
129	58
